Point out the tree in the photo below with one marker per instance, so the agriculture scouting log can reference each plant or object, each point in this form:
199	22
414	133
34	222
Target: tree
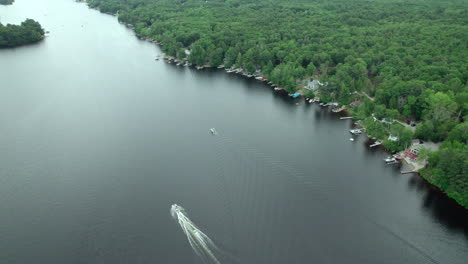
6	2
311	69
28	32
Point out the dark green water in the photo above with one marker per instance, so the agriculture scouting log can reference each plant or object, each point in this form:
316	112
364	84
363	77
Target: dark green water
98	140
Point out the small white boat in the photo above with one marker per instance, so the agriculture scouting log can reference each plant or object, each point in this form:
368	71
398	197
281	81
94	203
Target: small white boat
351	139
355	131
390	160
213	131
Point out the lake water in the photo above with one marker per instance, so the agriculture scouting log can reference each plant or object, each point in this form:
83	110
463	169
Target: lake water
98	140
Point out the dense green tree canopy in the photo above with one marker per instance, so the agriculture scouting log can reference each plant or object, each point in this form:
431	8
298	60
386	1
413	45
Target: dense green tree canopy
389	48
6	2
448	167
28	32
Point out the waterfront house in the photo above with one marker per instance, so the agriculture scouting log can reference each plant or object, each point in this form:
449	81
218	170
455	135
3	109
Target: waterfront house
313	85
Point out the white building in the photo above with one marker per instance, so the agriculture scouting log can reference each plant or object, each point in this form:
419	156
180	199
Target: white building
313	85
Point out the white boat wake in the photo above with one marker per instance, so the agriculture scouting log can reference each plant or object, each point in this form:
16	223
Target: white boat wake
200	243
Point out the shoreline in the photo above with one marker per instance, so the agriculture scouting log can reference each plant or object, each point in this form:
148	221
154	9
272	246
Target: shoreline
299	93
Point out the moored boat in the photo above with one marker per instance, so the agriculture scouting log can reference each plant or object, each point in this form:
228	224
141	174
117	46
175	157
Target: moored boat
355	131
390	160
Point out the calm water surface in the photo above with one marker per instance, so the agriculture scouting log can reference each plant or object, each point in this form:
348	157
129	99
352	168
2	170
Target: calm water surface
97	140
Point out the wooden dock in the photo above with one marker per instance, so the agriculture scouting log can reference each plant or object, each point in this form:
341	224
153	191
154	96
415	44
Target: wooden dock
377	143
408	172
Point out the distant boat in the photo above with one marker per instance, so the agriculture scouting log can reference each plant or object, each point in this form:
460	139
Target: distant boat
213	131
351	139
390	160
355	131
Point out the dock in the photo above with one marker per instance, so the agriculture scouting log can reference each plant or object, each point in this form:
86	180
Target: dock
337	110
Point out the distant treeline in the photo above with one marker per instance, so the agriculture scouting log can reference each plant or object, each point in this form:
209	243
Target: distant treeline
409	55
6	2
28	32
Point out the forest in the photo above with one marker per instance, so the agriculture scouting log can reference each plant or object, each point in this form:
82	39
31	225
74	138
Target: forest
6	2
28	32
408	56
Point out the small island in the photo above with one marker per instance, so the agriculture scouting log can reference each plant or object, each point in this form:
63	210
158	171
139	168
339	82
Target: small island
28	32
6	2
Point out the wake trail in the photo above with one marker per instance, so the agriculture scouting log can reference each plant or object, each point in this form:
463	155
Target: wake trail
200	243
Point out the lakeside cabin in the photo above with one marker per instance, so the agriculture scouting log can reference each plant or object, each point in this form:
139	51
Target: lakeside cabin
313	85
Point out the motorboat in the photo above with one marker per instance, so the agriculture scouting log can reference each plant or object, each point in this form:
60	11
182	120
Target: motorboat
355	131
390	160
